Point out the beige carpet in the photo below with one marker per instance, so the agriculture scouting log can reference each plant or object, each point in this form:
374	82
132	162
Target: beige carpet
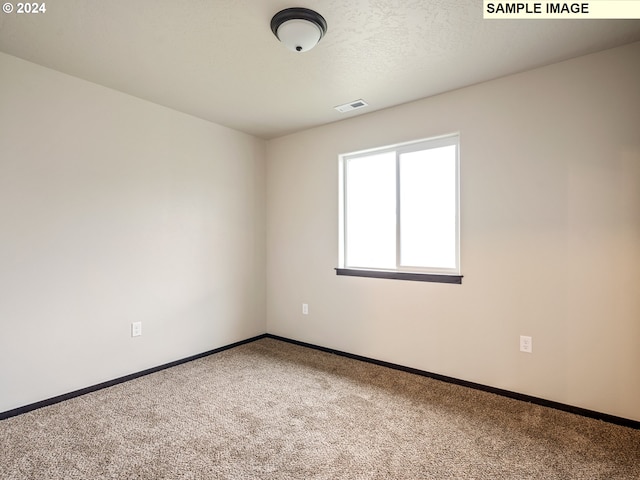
272	410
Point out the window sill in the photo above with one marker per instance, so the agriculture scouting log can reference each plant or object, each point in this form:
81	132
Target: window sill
416	277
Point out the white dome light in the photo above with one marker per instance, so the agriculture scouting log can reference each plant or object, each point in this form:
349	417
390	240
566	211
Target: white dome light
299	29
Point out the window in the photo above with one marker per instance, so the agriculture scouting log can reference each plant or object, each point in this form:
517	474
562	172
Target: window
399	211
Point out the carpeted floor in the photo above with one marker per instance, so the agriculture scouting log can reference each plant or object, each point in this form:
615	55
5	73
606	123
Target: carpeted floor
272	410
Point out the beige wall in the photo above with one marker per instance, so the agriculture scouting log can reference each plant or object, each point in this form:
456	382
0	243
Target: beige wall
114	210
550	244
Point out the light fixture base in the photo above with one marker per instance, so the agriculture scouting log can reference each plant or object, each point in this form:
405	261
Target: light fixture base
299	29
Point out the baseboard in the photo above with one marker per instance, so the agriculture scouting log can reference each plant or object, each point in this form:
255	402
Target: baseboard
625	422
605	417
126	378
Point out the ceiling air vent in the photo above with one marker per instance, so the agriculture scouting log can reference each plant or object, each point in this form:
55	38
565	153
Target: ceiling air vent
347	107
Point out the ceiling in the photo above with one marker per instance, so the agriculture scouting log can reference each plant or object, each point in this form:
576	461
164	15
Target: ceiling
219	60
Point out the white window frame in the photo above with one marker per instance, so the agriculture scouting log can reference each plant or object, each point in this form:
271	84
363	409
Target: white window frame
446	275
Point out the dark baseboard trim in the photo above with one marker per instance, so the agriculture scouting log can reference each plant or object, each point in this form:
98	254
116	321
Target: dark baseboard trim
126	378
605	417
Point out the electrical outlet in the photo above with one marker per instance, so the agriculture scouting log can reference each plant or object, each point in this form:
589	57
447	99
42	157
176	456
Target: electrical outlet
136	329
305	309
526	344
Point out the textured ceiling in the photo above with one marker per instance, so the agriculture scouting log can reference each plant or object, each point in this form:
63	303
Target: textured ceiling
218	59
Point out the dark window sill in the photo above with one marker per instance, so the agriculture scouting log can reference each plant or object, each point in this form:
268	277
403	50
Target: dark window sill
416	277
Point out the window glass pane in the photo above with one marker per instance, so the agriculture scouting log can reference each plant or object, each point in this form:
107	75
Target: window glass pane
371	211
428	208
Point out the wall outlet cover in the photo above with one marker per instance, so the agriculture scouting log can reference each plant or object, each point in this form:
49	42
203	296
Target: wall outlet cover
526	344
136	329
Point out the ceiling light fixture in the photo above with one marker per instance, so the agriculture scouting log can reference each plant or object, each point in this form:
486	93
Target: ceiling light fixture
300	29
